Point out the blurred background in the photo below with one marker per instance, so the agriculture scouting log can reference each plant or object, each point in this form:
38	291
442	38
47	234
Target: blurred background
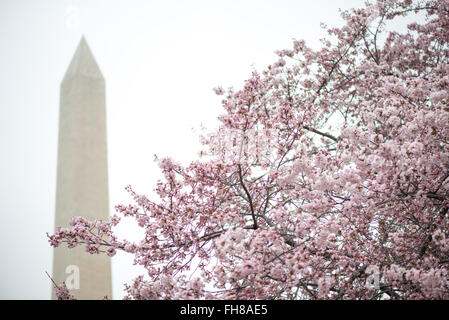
160	60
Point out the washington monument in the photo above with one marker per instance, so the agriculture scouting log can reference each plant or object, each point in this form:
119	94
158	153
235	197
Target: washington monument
82	173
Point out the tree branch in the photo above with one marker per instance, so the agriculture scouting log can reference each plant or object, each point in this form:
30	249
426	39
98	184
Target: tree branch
248	195
324	134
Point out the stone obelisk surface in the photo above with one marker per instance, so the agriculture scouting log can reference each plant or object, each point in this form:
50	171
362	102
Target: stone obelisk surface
82	173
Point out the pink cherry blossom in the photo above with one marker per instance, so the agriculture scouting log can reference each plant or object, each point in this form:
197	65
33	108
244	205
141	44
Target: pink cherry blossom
348	173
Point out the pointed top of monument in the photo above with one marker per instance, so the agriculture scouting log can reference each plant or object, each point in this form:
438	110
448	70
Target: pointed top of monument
83	63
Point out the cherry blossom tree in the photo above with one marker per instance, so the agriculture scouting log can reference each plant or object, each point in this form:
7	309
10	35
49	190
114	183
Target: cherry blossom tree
328	177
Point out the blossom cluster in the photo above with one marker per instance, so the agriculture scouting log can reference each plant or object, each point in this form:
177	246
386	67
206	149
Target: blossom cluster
63	293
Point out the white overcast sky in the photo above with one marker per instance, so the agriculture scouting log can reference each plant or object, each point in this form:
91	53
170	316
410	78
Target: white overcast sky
160	60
